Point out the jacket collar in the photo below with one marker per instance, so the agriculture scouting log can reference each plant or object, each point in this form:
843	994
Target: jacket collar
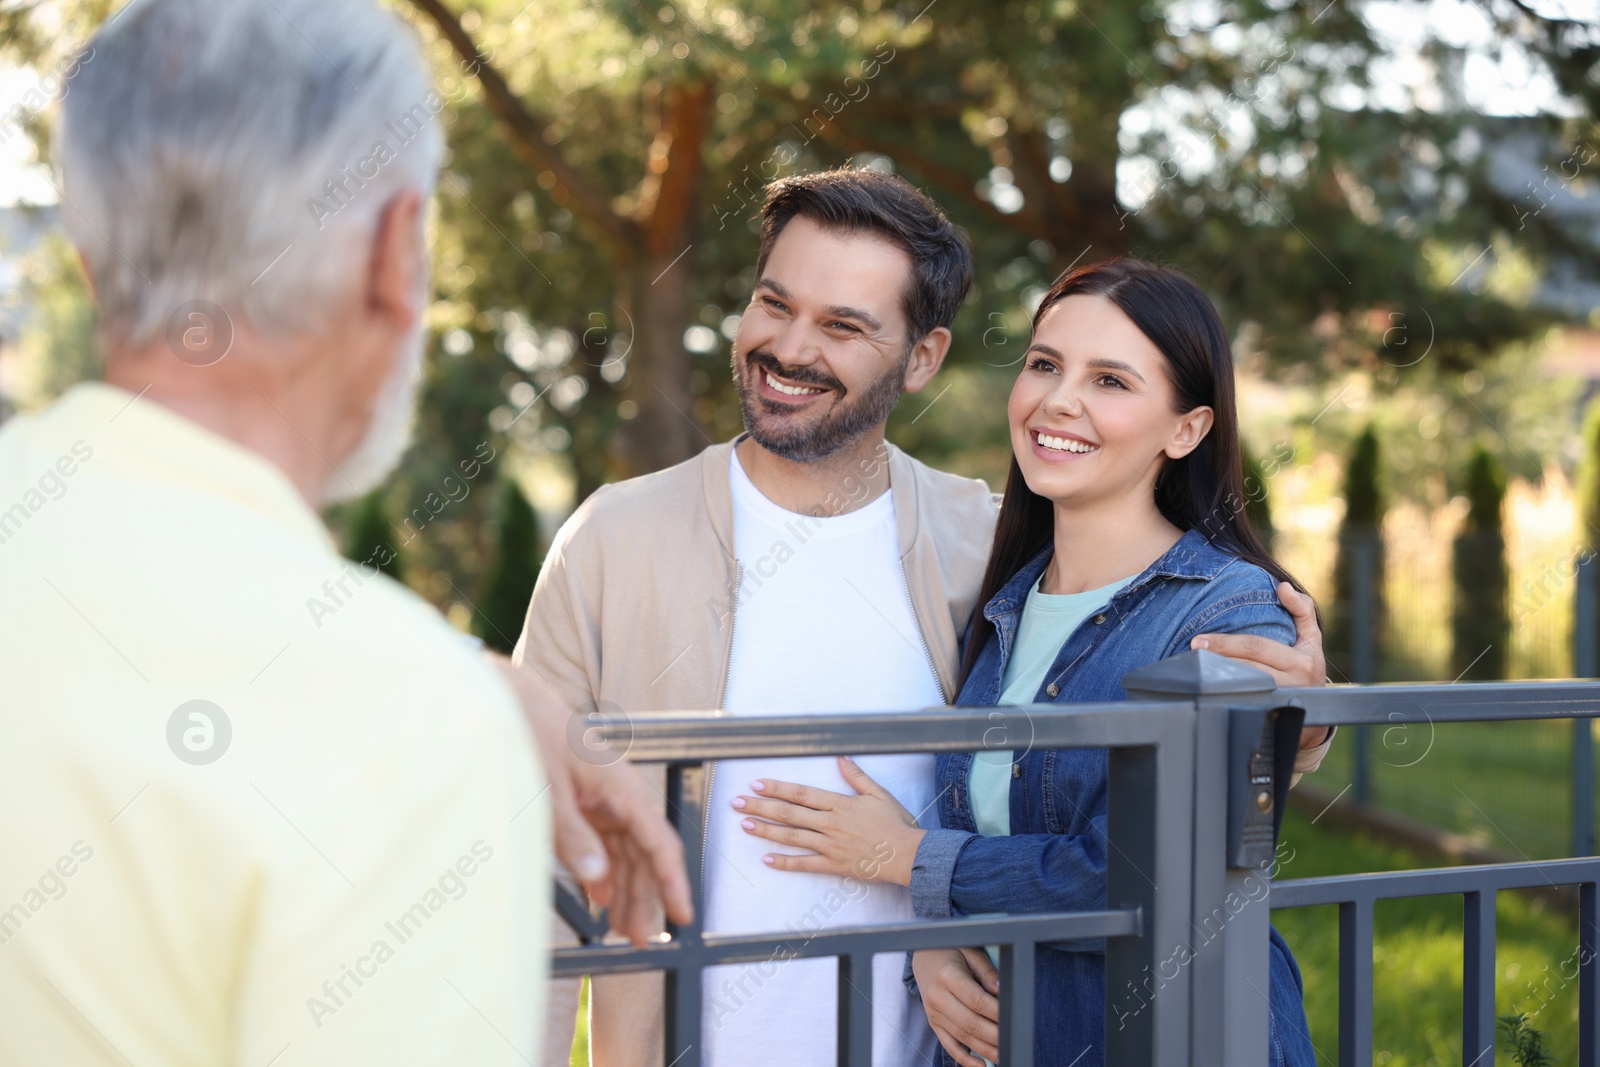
718	494
1192	557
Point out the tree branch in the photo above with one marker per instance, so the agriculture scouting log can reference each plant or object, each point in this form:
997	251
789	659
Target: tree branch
948	178
529	133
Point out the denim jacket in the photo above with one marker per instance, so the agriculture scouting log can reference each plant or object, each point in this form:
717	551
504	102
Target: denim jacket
1055	858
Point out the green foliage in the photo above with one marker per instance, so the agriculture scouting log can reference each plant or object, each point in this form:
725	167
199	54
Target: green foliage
1486	492
1480	619
1589	478
1363	496
502	604
1526	1043
1247	147
368	537
1360	559
62	328
1258	506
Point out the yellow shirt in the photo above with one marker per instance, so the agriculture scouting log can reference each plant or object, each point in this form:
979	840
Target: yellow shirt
340	856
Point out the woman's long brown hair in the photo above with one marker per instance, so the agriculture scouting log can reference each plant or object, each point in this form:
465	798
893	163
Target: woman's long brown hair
1202	491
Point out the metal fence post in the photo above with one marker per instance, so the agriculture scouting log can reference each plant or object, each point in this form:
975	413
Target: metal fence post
1149	864
1226	944
1363	634
1584	652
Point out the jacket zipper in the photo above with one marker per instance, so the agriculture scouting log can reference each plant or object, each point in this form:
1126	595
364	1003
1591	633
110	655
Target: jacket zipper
727	683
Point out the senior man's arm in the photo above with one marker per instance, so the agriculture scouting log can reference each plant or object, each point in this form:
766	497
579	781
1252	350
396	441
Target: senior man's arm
1301	664
609	830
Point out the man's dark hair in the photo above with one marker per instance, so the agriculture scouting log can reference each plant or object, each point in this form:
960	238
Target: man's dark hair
856	200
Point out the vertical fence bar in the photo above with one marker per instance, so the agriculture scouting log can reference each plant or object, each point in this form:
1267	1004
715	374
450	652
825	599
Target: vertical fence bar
1477	979
685	788
855	1010
1589	975
1136	805
1150	794
1017	1004
1355	984
1585	651
1363	632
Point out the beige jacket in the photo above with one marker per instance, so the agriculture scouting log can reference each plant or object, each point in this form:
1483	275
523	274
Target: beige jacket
634	612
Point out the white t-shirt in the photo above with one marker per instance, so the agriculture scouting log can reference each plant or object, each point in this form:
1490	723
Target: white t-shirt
824	625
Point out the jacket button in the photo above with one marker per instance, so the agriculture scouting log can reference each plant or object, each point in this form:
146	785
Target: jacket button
1016	770
1053	689
1100	618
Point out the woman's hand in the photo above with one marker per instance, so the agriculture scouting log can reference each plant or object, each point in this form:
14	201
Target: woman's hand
960	990
870	835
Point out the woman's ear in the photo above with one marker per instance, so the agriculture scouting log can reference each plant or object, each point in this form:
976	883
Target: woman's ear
1191	429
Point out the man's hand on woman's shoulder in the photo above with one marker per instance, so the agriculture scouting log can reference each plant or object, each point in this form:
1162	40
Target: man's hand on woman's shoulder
1300	664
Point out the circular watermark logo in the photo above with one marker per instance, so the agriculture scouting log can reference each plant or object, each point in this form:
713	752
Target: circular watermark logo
199	732
1009	730
1401	346
1398	739
586	739
199	333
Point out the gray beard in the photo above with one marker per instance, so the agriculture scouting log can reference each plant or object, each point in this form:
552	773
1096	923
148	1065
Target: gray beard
389	435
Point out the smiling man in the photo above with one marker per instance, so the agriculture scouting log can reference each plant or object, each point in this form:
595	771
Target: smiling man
807	566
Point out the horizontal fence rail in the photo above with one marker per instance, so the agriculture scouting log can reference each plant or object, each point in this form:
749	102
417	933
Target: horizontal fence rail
1149	784
1198	766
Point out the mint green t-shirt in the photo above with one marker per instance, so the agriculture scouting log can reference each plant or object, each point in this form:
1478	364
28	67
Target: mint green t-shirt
1048	619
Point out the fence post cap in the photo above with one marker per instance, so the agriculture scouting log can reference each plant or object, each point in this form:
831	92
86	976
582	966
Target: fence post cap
1197	673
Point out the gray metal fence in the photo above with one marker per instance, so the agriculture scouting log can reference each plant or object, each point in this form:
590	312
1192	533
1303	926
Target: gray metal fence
1199	762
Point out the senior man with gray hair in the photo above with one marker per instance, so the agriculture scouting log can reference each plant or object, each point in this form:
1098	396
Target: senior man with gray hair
237	830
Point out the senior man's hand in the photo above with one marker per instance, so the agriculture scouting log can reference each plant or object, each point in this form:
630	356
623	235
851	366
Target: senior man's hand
609	830
1301	664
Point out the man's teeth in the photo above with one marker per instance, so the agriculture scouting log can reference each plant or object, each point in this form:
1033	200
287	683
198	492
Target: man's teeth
1064	444
790	390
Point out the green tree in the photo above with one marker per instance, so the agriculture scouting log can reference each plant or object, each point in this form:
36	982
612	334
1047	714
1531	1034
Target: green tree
507	585
1480	623
1589	478
1359	565
606	159
369	536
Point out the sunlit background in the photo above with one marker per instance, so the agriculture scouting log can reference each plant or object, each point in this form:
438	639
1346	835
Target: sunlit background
1394	204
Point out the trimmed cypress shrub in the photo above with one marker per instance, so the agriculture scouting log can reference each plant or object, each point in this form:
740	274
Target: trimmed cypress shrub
513	567
370	536
1588	502
1360	536
1480	622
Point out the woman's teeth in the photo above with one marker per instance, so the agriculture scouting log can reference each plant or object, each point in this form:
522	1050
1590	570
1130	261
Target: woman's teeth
790	390
1065	444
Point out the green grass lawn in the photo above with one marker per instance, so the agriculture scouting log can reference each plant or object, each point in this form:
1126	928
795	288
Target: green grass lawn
1506	785
1417	958
580	1040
